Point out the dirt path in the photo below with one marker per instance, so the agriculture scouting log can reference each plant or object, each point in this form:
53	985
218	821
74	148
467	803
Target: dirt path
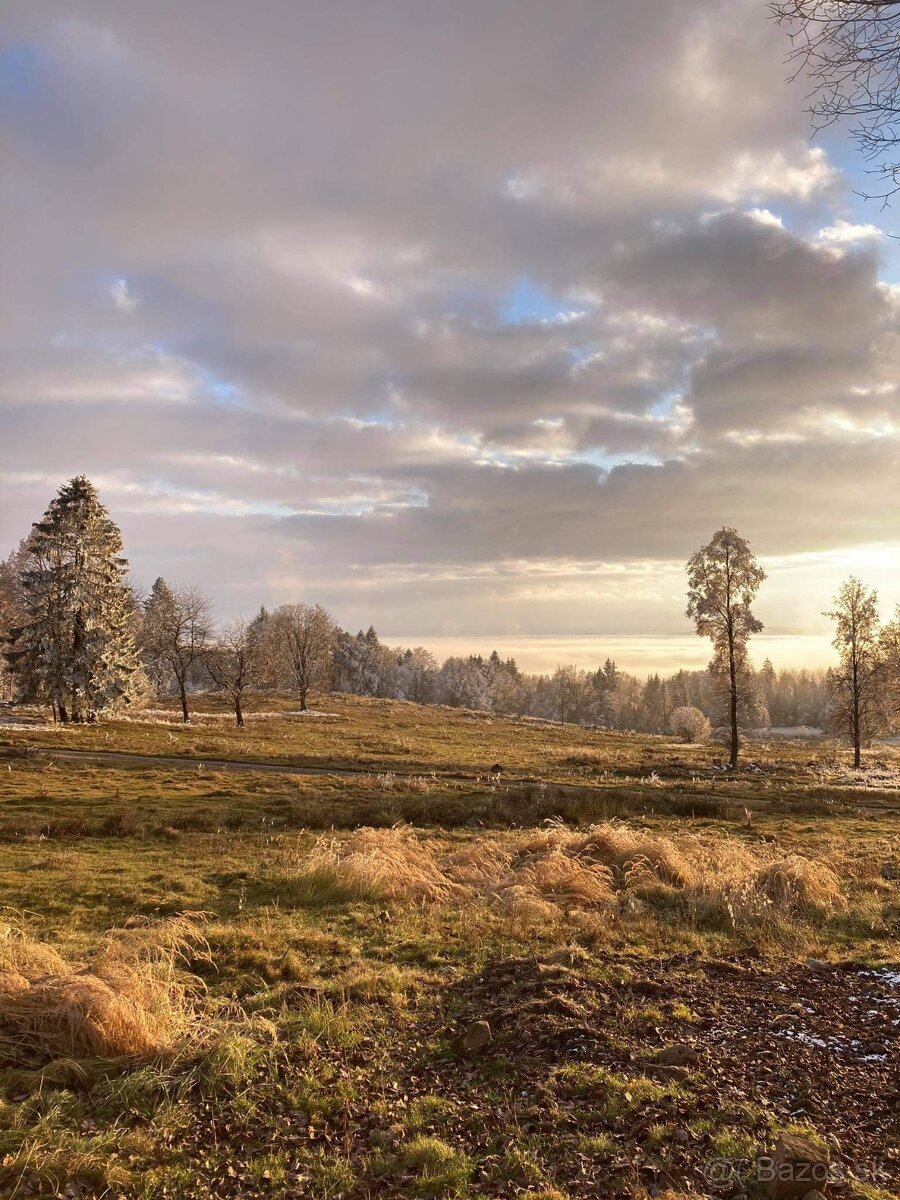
134	758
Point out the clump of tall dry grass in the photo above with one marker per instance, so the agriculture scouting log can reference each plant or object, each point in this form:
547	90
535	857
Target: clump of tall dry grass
541	873
566	879
131	1000
384	863
633	853
799	886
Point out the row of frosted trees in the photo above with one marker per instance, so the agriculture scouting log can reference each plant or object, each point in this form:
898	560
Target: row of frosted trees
80	638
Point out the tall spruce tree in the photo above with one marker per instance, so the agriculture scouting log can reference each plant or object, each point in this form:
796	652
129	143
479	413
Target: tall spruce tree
74	647
12	615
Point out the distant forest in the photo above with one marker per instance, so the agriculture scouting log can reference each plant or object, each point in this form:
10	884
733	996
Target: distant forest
77	635
171	634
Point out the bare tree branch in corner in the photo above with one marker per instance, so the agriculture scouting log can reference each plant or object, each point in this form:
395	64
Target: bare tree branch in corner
850	50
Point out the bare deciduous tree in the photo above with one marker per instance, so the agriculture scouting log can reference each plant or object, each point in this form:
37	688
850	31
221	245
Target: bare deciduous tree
850	51
177	631
305	635
723	579
857	700
569	684
890	655
229	663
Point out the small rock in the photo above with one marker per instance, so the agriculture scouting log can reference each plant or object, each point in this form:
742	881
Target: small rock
878	1048
677	1055
796	1163
818	964
890	871
474	1038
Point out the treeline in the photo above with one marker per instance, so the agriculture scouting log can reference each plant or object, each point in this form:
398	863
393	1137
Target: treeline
79	636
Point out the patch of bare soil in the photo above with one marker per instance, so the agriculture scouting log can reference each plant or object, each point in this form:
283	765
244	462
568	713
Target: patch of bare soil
762	1048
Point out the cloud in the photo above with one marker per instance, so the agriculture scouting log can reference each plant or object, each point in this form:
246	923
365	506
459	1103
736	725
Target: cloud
802	174
845	233
122	297
404	308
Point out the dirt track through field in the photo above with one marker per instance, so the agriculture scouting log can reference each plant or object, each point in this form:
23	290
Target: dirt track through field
134	758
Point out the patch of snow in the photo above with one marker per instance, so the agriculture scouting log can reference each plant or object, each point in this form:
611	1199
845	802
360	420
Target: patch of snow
310	712
888	975
791	731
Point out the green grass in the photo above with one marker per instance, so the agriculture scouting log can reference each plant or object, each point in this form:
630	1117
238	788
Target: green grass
322	1064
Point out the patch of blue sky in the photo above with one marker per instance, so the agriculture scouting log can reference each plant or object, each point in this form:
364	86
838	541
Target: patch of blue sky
525	302
606	461
584	352
664	405
222	392
857	204
213	385
21	74
872	212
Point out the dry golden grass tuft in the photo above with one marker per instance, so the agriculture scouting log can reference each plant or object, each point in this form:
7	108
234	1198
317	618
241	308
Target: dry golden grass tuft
130	1001
566	879
800	886
539	874
389	864
632	853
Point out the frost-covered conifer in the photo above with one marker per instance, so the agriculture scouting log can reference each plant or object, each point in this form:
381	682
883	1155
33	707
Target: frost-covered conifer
75	646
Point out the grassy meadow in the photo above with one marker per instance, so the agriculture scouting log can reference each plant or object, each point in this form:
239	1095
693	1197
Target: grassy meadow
260	983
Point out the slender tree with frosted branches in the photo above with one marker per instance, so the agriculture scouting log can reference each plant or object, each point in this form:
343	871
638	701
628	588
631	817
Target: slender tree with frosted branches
177	632
723	579
856	685
305	637
230	664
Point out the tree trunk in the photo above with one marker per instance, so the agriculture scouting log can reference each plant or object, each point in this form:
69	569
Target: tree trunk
182	693
857	755
303	705
238	714
63	715
733	706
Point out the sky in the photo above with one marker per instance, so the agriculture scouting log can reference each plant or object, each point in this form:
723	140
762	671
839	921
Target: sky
467	319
